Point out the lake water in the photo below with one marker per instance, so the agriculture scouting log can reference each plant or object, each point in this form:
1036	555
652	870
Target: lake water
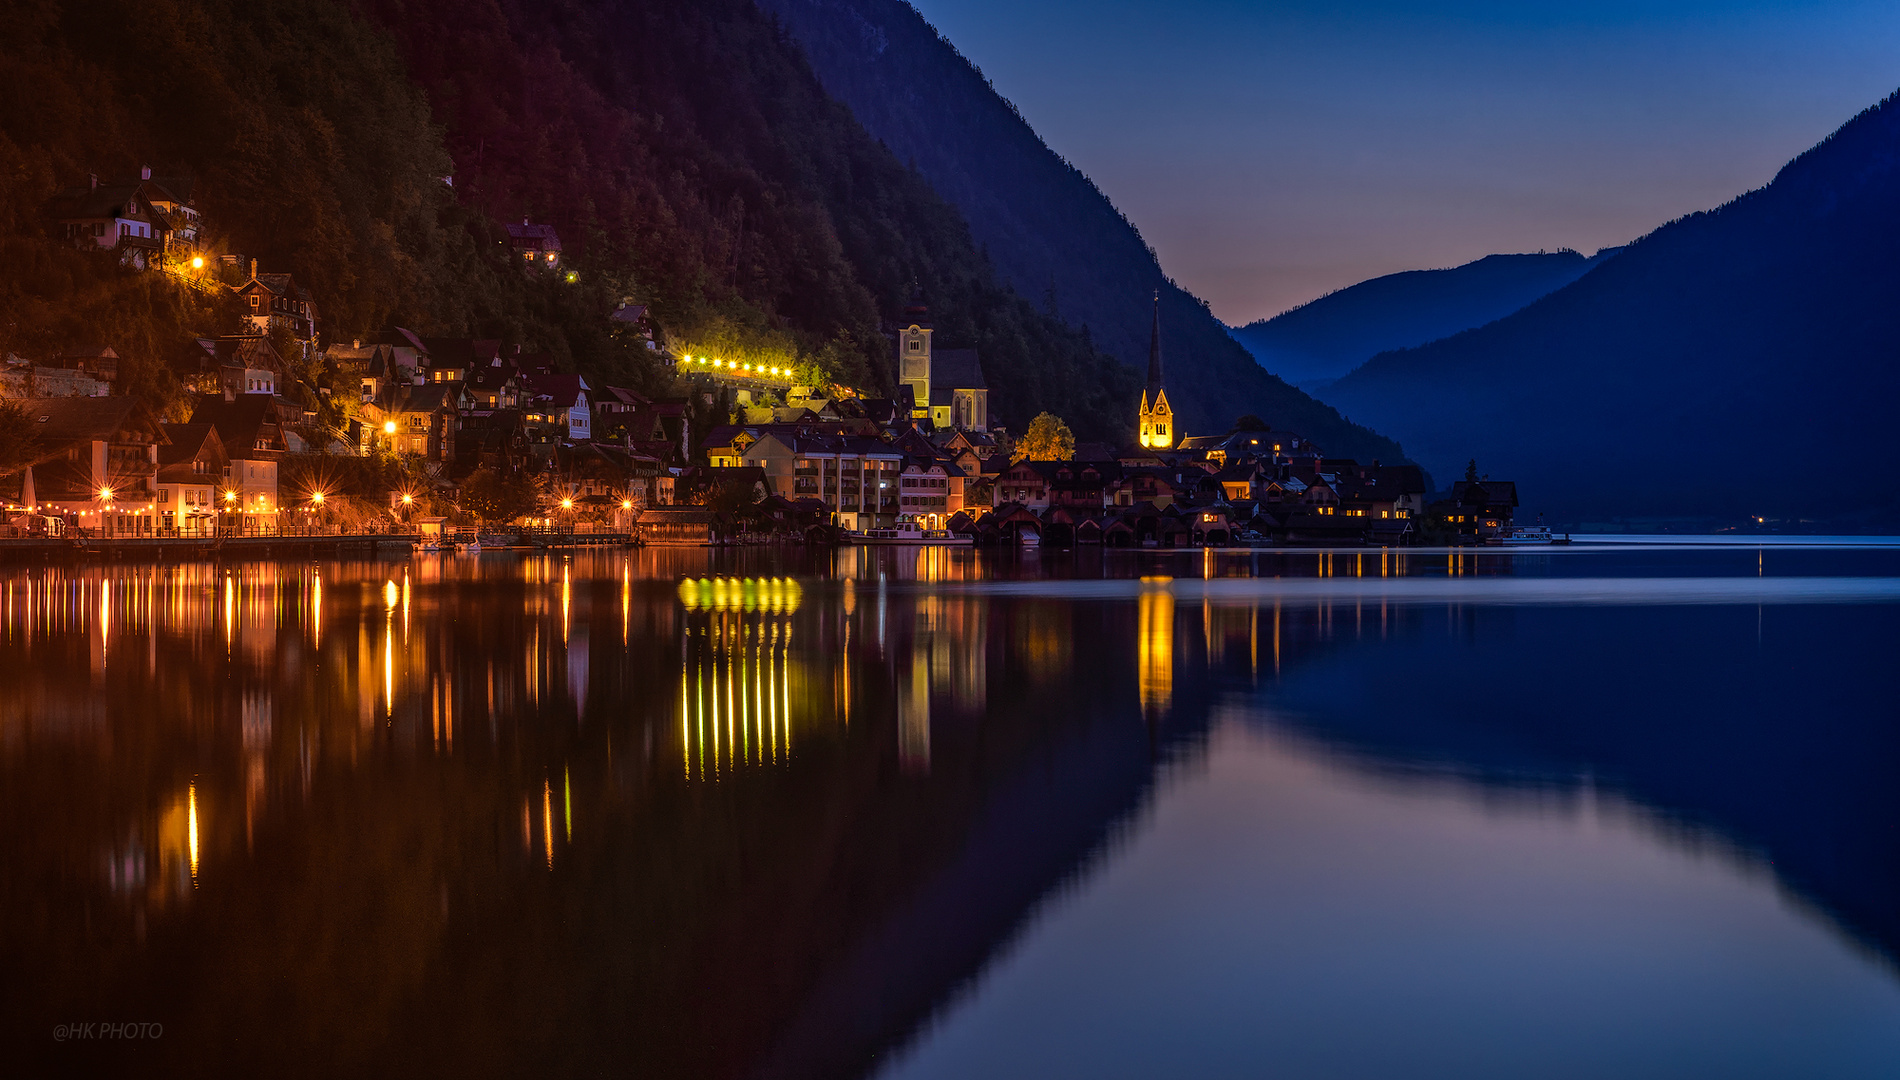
1613	810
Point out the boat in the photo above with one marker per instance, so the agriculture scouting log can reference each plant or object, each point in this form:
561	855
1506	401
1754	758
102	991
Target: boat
1525	534
906	535
428	543
473	547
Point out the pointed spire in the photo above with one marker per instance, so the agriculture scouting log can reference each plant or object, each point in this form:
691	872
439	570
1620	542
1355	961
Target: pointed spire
1154	352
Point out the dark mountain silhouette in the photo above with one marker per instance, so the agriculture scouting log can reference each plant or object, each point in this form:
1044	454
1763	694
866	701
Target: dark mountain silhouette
1046	228
1319	341
1735	362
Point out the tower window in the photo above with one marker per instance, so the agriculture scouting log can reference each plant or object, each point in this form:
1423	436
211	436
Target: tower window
915	345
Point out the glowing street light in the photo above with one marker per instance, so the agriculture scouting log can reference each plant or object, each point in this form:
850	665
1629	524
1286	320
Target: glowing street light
197	262
408	499
567	504
389	427
626	504
317	497
105	494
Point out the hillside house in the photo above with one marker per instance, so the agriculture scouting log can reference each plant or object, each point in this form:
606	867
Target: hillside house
112	217
275	301
535	245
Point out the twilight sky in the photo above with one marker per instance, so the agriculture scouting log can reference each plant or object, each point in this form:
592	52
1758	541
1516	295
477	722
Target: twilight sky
1272	152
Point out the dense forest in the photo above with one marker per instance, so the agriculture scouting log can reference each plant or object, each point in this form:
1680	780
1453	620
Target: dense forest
683	149
1321	340
1051	233
1737	363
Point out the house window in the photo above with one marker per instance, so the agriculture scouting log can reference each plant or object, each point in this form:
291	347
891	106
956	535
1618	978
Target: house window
256	301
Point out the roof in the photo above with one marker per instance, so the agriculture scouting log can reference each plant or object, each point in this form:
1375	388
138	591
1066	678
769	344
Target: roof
241	422
104	201
956	369
277	284
566	389
630	313
1484	492
429	397
187	440
67	420
1099	452
528	234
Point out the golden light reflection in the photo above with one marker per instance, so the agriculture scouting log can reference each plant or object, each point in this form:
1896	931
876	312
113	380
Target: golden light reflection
191	829
547	820
1155	634
735	693
780	596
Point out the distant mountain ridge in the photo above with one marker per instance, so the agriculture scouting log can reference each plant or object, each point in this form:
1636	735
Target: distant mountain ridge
1736	362
1047	229
1323	339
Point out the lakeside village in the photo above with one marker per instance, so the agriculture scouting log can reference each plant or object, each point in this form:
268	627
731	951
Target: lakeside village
492	445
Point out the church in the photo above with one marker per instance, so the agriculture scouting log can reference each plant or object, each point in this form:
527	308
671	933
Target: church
946	386
1157	419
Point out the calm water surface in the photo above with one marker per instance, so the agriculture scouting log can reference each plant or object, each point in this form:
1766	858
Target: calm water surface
1623	811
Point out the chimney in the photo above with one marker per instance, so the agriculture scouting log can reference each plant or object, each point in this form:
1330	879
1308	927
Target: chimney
145	173
524	221
356	343
253	268
94	177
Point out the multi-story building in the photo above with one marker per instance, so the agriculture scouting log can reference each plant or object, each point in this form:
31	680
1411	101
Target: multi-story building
94	460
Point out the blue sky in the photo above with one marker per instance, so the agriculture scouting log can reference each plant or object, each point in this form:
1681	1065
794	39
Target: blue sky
1272	152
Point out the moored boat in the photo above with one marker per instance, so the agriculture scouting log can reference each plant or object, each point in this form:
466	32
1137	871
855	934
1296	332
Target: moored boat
904	535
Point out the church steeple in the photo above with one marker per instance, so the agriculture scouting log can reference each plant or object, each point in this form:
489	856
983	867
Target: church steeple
1154	351
1157	419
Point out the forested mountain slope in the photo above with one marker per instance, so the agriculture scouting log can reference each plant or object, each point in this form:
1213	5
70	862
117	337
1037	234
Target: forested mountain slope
372	147
1048	230
1740	361
1321	340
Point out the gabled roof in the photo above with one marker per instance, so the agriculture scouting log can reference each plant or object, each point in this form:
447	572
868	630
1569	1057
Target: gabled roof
104	201
630	313
62	421
243	350
956	369
1484	492
242	422
430	397
566	389
187	442
529	234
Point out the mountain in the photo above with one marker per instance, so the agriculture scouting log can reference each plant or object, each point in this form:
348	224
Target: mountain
1049	232
684	150
1325	338
1736	362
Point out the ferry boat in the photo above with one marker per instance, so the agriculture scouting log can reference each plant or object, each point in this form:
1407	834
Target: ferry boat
1526	534
907	534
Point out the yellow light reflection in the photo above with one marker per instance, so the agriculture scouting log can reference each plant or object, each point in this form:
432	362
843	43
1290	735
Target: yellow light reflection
1155	634
547	820
191	830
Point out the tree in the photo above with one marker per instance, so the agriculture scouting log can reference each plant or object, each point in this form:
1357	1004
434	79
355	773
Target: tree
1048	439
16	438
1250	422
1471	471
497	499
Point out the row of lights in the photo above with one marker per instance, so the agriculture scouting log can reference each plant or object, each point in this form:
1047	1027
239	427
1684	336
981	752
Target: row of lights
759	370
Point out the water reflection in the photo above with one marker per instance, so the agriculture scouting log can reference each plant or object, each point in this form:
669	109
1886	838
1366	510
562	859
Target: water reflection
570	813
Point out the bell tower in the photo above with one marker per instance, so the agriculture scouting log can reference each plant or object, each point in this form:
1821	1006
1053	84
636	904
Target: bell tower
1157	419
913	354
